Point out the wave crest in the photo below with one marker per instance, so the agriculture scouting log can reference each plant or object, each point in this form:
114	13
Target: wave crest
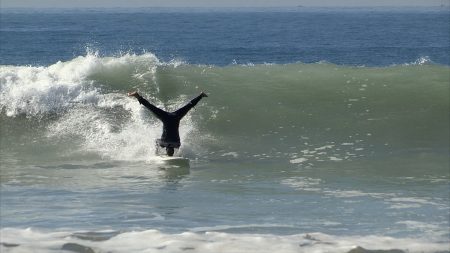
36	90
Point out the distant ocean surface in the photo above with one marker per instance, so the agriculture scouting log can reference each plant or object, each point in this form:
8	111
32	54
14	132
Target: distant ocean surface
325	130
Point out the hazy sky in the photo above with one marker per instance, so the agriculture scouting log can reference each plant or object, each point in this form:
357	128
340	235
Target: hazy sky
213	3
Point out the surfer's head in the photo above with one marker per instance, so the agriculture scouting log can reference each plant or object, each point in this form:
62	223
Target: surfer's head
170	151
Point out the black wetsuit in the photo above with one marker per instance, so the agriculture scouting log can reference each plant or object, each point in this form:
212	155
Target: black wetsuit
171	121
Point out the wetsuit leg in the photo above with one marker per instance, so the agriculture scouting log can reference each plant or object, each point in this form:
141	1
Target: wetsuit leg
160	114
185	109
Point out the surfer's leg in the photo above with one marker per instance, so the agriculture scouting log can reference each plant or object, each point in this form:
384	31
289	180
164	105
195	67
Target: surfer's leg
155	110
185	109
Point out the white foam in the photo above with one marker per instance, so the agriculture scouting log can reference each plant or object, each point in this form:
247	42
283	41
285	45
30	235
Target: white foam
420	201
35	90
298	160
404	206
324	147
333	158
134	140
30	240
228	227
431	230
419	225
303	183
356	193
231	154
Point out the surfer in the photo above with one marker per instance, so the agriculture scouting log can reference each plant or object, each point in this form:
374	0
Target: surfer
170	138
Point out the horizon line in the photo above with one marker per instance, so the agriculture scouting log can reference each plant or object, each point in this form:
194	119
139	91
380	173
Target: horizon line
234	7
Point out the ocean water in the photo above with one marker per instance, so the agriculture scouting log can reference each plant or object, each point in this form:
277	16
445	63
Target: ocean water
325	130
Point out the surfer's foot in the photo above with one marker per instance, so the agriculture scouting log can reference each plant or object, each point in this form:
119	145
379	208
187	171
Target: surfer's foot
133	94
203	94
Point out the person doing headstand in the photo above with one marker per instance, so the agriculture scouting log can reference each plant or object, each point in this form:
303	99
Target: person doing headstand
170	138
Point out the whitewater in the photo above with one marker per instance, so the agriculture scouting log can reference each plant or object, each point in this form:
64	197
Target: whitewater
284	157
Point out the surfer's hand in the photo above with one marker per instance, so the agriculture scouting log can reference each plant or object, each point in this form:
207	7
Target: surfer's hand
133	94
203	95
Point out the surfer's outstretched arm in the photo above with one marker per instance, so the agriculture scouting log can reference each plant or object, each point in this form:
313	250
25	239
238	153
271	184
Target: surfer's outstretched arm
185	109
160	114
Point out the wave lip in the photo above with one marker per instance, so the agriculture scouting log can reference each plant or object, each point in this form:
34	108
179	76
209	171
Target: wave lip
38	90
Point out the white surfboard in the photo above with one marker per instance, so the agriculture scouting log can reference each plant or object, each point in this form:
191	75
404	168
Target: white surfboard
177	161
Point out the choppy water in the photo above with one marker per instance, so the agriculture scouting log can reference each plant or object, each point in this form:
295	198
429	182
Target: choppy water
284	157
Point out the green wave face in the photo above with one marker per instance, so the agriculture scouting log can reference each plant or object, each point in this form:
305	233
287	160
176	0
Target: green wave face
252	109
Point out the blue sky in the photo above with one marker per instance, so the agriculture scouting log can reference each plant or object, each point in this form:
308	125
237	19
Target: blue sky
213	3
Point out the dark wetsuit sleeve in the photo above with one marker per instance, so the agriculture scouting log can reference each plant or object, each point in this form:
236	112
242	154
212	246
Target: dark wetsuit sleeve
155	110
185	109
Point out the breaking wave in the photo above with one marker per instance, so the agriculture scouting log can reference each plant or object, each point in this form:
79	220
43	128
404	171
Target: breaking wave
296	110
